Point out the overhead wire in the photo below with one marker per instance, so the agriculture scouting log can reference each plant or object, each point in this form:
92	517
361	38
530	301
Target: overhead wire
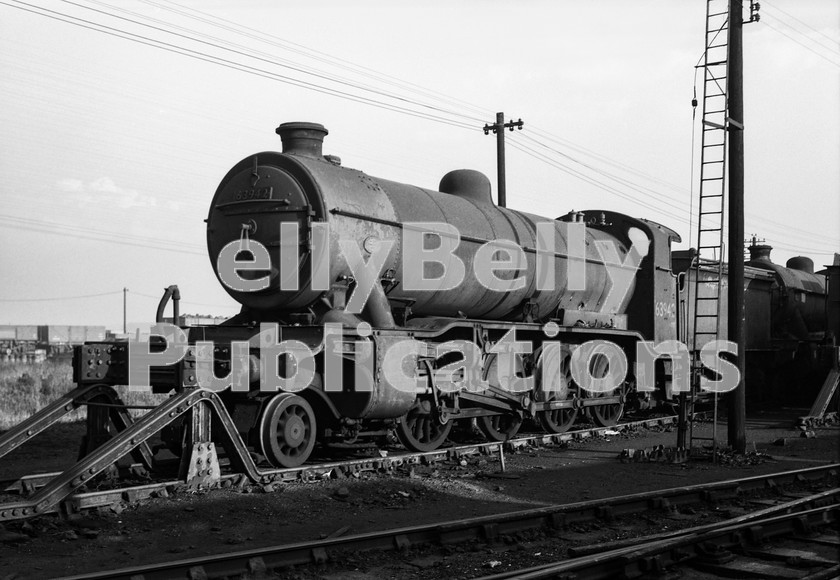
662	198
112	293
349	66
604	159
835	43
588	179
802	44
60	298
259	56
180	50
308	52
94	234
184	301
198	55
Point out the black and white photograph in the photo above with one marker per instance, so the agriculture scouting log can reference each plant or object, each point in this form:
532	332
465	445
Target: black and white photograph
416	290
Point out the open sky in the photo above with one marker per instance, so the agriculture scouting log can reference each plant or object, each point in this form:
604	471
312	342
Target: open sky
121	117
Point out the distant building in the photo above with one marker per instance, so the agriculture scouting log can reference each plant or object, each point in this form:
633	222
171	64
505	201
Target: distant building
198	320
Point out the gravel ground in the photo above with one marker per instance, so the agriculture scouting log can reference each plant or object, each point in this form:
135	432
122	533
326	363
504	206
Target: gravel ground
191	524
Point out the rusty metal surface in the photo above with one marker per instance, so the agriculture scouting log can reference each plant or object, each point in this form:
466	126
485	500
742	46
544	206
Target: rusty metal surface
799	301
268	188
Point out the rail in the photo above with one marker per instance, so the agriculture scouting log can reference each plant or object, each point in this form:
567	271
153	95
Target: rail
260	560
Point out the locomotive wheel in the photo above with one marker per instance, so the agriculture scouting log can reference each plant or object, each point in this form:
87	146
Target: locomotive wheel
420	431
607	415
604	415
556	420
499	427
287	430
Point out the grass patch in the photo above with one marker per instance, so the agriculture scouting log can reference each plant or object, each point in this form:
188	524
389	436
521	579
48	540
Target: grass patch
26	388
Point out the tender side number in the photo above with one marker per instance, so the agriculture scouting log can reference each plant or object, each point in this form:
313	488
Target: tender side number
665	309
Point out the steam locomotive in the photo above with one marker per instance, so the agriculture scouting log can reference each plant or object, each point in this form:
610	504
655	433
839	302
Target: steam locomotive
378	282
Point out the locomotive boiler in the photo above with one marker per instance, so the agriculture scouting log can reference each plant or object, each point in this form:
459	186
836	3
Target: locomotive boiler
302	187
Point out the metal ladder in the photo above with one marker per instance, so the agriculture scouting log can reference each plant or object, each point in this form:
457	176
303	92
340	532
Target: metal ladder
710	224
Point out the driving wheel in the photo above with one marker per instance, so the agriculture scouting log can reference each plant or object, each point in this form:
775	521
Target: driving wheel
555	420
499	427
604	415
422	431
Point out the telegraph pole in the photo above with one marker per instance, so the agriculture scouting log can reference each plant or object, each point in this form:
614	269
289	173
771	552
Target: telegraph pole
499	129
125	292
737	412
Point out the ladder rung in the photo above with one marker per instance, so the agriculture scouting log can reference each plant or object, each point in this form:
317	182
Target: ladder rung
707	196
710	162
711	124
715	63
716	46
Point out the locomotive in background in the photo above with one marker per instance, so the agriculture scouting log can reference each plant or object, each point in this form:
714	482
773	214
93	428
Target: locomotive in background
792	322
281	200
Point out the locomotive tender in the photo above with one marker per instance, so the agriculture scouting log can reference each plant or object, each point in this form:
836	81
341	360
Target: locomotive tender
296	238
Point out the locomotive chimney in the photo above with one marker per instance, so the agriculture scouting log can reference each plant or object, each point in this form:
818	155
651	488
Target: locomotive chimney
760	253
304	139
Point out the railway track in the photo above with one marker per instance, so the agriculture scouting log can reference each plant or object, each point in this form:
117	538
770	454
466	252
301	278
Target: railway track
801	515
751	546
78	502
